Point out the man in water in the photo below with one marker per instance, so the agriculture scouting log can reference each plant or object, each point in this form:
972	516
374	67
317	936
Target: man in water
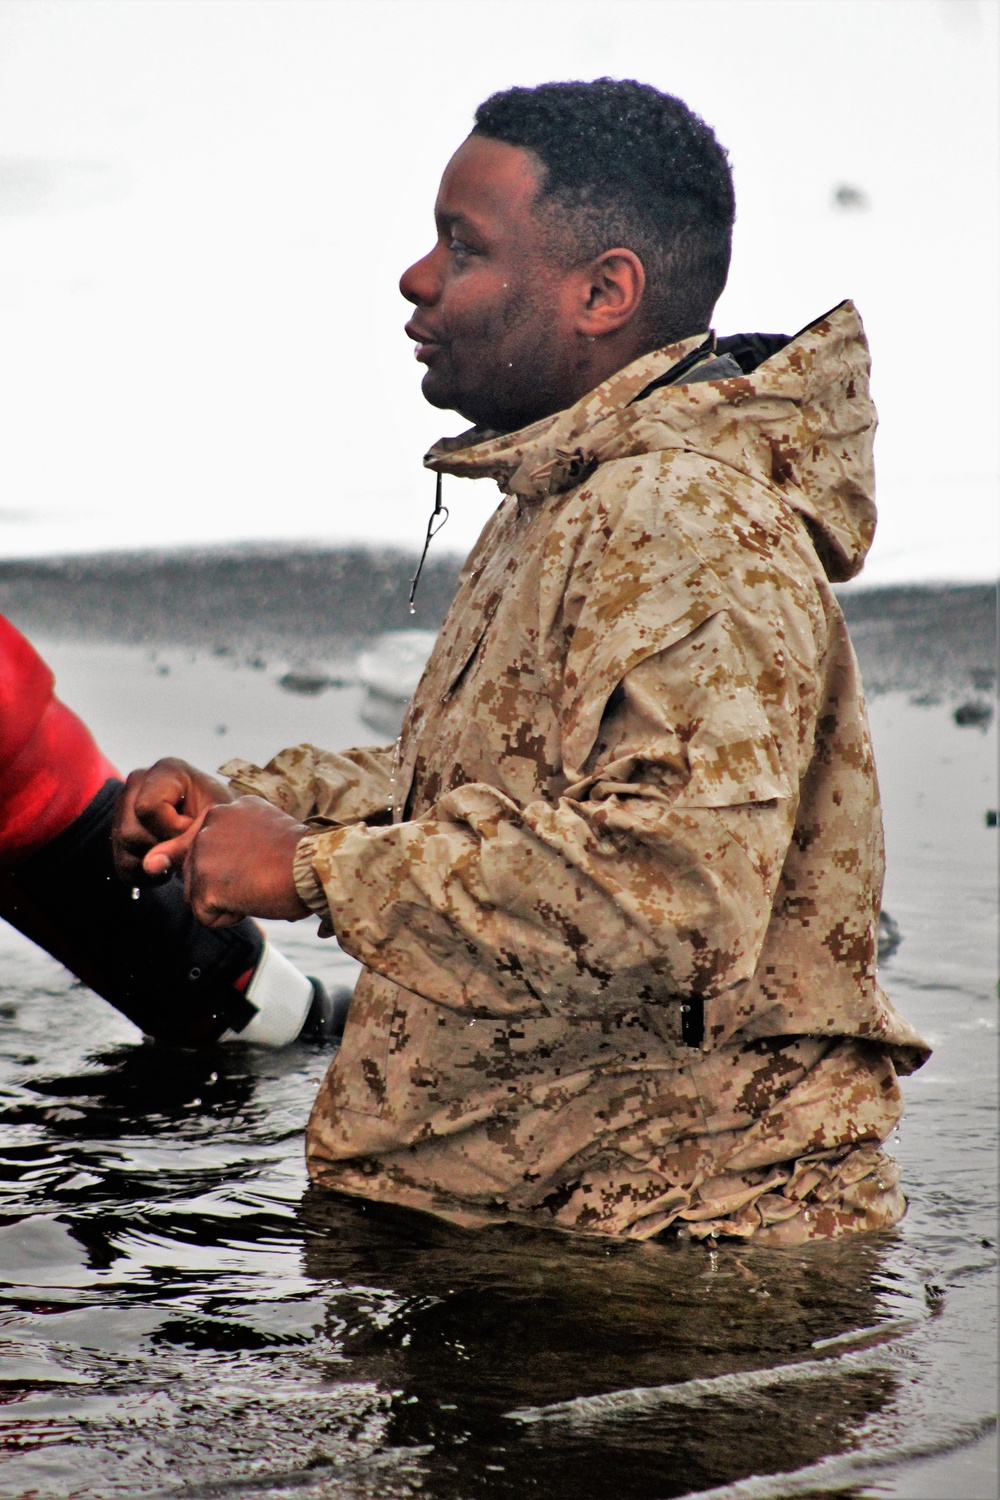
616	891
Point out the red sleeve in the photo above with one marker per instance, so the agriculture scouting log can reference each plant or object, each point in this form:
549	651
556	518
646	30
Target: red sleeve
50	765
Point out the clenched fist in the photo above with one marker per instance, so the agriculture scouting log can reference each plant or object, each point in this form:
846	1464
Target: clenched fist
239	864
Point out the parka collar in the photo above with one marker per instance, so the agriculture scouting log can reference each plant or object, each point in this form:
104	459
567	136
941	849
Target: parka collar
799	419
547	457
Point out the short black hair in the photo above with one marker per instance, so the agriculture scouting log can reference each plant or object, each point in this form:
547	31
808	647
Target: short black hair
627	165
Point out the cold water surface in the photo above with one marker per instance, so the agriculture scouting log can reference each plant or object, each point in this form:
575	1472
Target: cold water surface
181	1316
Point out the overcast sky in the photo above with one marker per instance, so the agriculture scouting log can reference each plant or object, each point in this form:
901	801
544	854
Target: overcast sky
205	206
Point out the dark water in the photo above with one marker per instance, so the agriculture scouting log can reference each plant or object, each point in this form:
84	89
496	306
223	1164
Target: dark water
181	1315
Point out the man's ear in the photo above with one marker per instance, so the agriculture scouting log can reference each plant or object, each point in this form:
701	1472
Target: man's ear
611	294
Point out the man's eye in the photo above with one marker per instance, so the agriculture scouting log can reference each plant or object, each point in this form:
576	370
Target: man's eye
459	247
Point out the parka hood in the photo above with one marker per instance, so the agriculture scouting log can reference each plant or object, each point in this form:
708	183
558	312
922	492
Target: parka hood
799	420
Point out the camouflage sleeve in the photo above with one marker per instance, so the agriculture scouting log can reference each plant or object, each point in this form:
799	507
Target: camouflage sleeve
652	877
317	786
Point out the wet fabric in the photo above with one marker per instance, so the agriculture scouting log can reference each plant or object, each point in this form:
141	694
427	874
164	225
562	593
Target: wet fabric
635	783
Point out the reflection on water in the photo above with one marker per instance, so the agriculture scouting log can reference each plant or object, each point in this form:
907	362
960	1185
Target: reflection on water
181	1315
470	1334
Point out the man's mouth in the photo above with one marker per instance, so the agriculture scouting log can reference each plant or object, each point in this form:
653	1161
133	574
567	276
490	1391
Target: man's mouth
425	347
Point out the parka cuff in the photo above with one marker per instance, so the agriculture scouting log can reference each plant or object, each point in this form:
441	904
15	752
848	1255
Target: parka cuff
307	883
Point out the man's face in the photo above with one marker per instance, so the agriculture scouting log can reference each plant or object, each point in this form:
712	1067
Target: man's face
494	312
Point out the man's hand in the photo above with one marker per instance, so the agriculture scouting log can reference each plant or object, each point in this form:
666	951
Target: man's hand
157	816
239	864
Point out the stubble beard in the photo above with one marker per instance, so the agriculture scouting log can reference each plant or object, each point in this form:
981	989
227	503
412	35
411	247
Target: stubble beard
520	372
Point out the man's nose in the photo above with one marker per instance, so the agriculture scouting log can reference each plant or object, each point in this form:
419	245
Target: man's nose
421	284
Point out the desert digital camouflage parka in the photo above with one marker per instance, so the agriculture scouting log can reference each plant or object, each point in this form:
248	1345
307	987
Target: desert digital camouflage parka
616	891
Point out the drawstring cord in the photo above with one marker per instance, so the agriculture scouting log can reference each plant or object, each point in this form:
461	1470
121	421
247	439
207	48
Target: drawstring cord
438	517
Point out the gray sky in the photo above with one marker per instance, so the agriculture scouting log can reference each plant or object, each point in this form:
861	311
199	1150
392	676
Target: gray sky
205	206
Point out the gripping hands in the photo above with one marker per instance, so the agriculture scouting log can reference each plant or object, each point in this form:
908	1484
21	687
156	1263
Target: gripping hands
234	854
159	815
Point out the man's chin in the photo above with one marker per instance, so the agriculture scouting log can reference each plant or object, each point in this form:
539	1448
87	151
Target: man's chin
438	392
435	393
